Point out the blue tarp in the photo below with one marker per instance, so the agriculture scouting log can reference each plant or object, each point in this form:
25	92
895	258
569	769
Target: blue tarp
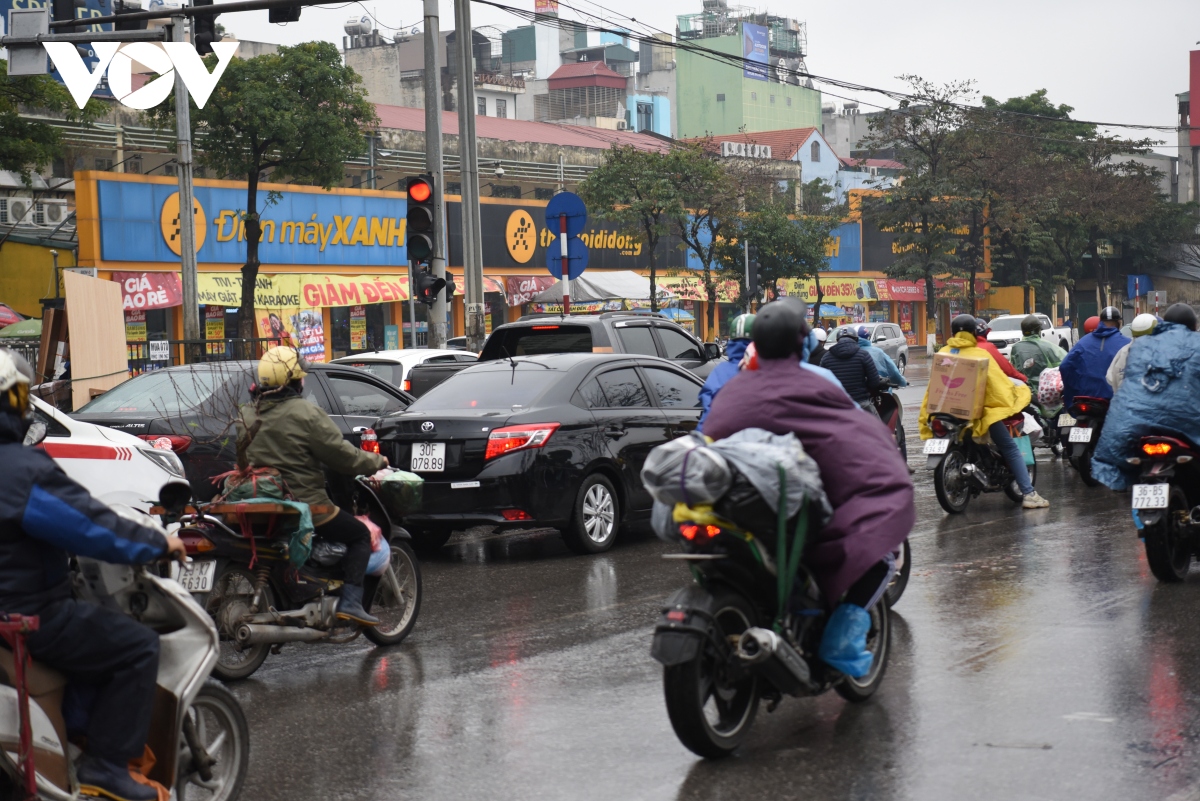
1137	285
1158	396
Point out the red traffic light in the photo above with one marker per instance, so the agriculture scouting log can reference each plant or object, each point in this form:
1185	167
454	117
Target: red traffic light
419	191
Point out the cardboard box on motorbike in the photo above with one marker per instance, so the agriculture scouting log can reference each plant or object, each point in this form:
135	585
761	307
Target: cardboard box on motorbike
957	386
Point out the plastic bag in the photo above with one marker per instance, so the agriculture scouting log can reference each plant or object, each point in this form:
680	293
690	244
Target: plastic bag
1050	388
326	553
1025	446
758	455
1032	428
378	562
684	470
376	532
401	493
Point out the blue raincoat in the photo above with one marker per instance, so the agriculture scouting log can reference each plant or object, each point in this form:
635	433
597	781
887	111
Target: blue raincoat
1084	370
1158	396
883	363
734	351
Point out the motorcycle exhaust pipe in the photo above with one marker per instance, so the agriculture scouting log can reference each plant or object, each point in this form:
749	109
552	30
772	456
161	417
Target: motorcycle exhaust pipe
252	634
764	652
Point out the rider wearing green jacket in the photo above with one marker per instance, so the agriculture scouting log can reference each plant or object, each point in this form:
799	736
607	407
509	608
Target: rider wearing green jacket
1033	354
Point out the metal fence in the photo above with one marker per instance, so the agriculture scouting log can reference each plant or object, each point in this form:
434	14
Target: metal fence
26	347
159	353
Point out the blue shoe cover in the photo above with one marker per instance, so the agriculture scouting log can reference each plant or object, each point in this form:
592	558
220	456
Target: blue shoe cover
844	643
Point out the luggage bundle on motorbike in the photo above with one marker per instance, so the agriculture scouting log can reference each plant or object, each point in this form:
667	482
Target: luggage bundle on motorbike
743	509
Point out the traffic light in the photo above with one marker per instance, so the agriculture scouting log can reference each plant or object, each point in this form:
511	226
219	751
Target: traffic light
426	286
287	14
126	7
204	29
420	218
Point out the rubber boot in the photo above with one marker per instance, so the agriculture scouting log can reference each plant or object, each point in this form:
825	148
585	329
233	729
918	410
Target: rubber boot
844	643
104	779
350	607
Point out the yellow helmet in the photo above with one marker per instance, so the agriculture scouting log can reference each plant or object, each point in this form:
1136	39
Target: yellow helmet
280	365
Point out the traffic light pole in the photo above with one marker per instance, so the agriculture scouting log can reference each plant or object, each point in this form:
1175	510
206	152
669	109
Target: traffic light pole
187	215
469	159
749	289
433	165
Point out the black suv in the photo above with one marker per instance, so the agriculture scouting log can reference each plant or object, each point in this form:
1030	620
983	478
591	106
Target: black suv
611	332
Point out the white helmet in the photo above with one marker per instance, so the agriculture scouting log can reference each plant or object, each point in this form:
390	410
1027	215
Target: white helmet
820	334
15	374
1143	324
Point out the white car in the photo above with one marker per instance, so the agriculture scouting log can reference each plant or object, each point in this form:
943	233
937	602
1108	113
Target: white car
393	365
113	466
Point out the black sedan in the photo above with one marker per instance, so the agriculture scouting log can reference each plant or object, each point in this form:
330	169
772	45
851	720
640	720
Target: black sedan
556	440
194	408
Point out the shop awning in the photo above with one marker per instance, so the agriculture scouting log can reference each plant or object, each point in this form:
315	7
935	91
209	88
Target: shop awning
681	315
614	285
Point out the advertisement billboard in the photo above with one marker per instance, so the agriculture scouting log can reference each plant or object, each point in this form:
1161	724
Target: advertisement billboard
755	44
83	11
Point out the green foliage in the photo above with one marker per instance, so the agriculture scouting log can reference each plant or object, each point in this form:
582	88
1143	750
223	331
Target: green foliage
788	248
27	146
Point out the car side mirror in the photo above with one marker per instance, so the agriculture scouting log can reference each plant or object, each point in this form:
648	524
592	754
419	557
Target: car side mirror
880	337
36	433
174	497
712	351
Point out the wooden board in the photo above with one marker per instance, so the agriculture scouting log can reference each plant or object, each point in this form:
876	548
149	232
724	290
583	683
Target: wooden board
96	335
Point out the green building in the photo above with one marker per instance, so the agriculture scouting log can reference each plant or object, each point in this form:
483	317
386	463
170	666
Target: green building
719	97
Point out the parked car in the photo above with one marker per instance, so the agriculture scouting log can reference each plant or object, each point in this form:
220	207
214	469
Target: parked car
193	407
553	440
611	332
886	336
1006	332
457	343
113	466
393	365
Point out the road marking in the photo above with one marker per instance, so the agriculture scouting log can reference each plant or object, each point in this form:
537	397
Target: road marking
1089	717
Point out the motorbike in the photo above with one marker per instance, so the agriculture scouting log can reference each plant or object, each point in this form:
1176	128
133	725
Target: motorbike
200	738
1164	505
242	576
726	641
963	468
1047	418
1085	420
891	411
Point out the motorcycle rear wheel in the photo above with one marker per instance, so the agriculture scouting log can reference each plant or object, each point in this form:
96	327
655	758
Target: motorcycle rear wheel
710	713
899	581
224	733
952	487
1085	468
231	597
1167	550
395	597
879	643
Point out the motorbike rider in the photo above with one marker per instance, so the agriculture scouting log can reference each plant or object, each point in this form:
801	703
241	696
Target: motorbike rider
285	431
865	478
739	339
981	341
883	362
819	351
110	659
854	368
1142	325
1033	354
1002	400
1085	369
1090	325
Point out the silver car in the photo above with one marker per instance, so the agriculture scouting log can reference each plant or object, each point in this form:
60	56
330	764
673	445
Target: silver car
886	336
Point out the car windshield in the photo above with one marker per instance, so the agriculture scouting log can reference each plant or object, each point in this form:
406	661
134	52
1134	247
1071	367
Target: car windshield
499	386
1006	324
389	371
530	340
168	393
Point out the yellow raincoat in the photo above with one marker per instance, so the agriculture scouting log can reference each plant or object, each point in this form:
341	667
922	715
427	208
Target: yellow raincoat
1003	398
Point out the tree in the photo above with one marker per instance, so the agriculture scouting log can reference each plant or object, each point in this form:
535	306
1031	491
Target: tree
27	146
298	114
635	191
788	248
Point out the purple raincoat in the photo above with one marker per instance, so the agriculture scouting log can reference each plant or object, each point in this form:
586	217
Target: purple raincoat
865	478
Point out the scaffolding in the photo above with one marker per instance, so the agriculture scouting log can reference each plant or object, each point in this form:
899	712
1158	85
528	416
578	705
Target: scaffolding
788	38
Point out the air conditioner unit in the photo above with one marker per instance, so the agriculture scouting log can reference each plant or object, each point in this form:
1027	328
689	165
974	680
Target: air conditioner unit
54	210
622	125
16	209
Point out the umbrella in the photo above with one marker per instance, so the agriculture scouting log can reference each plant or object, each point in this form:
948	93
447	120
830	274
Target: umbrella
25	328
8	316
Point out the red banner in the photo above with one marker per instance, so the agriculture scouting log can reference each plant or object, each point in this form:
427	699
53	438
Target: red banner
142	291
891	289
522	289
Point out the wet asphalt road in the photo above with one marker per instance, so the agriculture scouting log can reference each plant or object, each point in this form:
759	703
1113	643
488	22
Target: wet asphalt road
1034	657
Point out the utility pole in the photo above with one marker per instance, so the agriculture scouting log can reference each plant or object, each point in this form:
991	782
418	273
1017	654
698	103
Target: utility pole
433	165
371	160
469	159
187	214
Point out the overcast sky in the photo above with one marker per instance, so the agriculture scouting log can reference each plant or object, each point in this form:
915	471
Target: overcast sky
1113	61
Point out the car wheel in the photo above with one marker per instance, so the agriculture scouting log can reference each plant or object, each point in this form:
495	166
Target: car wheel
902	363
597	517
427	542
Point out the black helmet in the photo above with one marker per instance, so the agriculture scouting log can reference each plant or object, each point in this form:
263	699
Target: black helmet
981	327
780	328
1110	314
1031	325
963	322
1181	313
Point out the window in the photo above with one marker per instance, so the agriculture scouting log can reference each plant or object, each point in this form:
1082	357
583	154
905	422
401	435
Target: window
789	101
391	372
481	106
623	388
674	390
677	345
313	393
645	116
815	150
134	165
772	98
720	97
362	399
498	385
502	109
637	339
592	396
754	95
104	164
535	339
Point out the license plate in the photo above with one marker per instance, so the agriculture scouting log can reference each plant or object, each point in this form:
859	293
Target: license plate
428	457
197	576
1065	421
1081	435
936	445
1151	496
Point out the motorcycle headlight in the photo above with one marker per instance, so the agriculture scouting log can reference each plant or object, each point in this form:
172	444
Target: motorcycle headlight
167	460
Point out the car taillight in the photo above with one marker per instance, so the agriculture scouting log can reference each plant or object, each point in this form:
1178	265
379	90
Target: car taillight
168	442
1156	448
938	428
693	532
406	385
518	438
369	441
516	514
